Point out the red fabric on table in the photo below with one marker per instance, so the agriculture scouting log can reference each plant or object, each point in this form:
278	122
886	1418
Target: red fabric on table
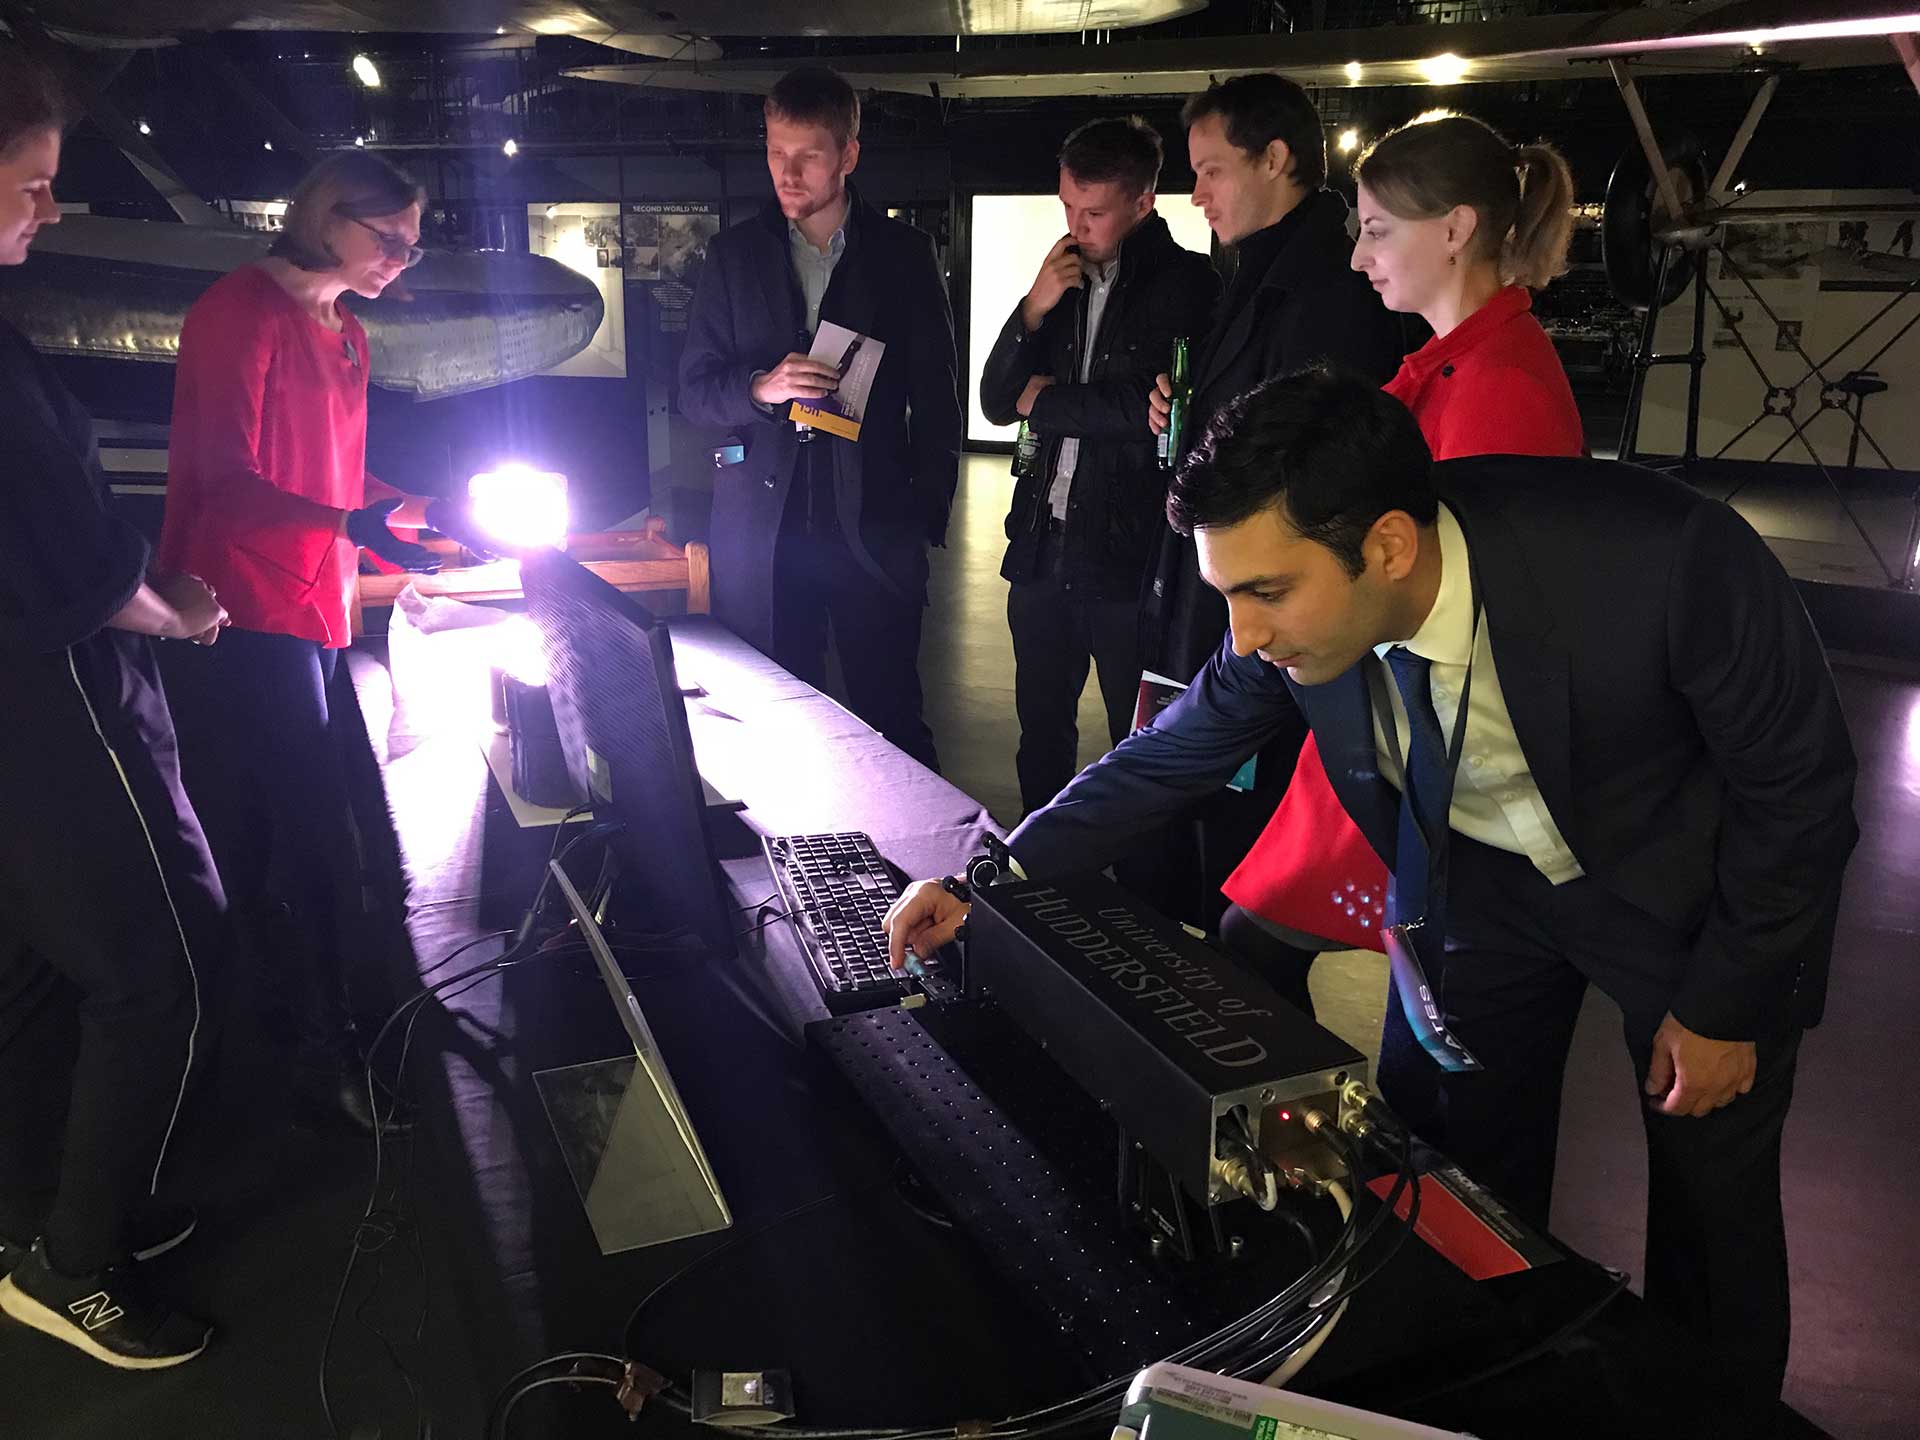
1491	386
268	446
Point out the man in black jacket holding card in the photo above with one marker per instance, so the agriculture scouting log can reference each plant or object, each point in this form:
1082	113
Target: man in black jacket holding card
1074	360
812	531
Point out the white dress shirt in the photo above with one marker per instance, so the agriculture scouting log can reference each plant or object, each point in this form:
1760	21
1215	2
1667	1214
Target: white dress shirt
1099	282
1495	799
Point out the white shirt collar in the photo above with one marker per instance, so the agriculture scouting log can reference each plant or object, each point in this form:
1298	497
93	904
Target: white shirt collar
1446	635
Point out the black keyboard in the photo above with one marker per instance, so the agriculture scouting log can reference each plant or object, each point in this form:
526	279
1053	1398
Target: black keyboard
837	889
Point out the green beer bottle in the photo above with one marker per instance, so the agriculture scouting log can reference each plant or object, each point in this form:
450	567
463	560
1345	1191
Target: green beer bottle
1026	451
1173	438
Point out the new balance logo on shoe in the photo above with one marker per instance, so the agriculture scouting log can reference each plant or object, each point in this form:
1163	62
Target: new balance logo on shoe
95	1310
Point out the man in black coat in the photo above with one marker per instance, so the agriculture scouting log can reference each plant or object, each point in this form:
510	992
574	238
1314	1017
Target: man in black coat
1651	792
1075	359
812	532
1259	159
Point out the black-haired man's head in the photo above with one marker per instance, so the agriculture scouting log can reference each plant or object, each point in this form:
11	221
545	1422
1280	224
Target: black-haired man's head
1257	149
1310	499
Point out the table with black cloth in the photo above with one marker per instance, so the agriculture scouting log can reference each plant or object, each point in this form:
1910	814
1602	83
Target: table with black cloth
881	1316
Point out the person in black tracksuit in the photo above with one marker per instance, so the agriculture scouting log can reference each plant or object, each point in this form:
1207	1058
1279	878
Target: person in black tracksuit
109	903
1259	159
1075	359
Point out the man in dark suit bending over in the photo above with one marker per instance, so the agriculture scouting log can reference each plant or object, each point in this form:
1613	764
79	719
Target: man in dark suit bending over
1651	792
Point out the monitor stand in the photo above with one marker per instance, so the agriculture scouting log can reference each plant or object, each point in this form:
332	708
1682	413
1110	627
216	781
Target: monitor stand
635	1176
629	1143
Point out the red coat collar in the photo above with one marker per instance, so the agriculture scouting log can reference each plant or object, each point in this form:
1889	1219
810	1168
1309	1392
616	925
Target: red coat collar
1506	304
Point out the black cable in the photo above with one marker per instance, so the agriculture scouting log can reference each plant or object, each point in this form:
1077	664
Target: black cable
456	953
773	920
497	1422
1533	1352
373	1231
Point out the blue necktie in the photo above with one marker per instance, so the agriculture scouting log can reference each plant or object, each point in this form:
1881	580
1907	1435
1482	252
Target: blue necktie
1425	789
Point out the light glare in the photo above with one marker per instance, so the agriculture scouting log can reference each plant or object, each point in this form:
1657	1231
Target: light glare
510	149
366	72
1349	141
1448	69
520	506
1353	71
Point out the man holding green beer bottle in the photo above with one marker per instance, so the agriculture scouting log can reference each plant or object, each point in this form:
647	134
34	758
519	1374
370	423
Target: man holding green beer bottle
1073	363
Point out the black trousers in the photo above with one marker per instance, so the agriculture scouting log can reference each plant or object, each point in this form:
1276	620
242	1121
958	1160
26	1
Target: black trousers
818	585
1057	633
1520	954
111	918
263	761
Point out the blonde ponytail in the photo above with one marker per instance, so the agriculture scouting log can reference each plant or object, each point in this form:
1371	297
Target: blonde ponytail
1536	249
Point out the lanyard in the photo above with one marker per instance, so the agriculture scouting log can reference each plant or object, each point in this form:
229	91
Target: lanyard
1438	850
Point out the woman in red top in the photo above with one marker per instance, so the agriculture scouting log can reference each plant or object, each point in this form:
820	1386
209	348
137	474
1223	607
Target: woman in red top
1455	226
268	499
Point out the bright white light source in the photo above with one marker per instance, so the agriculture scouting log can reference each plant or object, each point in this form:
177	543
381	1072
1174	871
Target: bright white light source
360	140
499	29
1448	69
1349	141
266	144
510	149
365	71
1353	71
1739	187
552	210
145	129
519	650
520	506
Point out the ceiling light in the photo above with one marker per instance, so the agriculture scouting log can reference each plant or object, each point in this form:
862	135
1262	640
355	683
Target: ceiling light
360	140
364	70
510	149
145	129
499	29
1448	69
1353	71
266	144
1349	141
552	210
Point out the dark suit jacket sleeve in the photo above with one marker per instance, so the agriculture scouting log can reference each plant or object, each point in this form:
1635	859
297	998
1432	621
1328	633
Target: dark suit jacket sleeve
933	395
1180	302
1344	325
1015	358
1746	657
1190	751
713	377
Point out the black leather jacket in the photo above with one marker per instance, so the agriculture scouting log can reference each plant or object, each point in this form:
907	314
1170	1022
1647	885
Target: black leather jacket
1116	508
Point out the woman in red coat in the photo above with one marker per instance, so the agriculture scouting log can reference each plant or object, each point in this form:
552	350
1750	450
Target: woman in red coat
1455	225
268	499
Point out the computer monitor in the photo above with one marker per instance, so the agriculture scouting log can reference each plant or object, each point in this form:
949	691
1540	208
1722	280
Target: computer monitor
623	728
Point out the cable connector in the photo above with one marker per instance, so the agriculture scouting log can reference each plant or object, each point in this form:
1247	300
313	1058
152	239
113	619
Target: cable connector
638	1384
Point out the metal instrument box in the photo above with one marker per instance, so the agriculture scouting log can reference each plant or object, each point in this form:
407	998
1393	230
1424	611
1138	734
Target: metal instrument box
1167	1033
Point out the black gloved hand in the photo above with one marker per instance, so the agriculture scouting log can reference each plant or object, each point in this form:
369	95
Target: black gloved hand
454	519
367	528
